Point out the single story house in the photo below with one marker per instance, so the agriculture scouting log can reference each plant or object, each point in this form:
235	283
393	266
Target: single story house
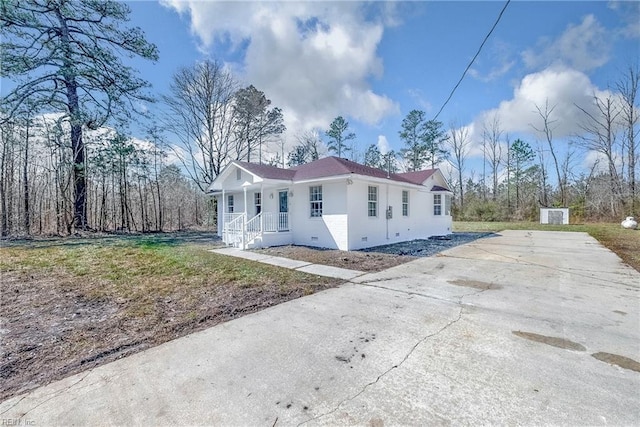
330	203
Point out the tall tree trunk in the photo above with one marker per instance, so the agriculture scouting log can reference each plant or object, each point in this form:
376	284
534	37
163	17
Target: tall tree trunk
77	144
4	228
25	183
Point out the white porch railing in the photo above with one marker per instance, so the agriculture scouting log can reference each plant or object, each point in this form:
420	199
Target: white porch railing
275	221
233	229
254	228
239	232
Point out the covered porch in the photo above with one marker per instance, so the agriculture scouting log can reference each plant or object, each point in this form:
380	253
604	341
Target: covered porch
254	216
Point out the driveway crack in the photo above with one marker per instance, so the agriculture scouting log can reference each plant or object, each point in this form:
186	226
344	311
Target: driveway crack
53	396
397	365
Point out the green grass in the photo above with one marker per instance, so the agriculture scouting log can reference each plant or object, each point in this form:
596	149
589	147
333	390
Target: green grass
76	303
138	271
625	243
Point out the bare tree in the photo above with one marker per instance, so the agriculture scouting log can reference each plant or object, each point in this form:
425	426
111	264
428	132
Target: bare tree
6	164
255	122
202	115
491	133
599	135
546	128
309	148
543	177
628	89
459	146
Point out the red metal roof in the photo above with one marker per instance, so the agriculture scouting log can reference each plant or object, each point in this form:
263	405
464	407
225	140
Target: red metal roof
332	166
418	177
267	171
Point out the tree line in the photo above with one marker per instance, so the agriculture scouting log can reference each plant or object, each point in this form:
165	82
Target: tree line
518	177
69	162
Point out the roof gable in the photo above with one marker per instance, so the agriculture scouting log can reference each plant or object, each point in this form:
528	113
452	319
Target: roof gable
418	177
266	171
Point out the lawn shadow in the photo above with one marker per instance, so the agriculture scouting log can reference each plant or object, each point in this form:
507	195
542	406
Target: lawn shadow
204	238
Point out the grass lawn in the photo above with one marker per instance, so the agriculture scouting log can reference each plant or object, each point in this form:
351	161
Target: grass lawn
625	243
71	304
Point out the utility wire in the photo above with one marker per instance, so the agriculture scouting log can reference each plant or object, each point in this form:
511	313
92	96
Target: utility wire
472	60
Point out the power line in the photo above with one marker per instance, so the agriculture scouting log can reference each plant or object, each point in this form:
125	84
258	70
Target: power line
473	59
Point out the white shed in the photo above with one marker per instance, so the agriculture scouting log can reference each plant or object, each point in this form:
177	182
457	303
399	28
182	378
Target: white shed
554	216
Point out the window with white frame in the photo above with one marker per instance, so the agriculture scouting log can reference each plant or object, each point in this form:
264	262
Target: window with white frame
315	200
437	204
405	203
230	203
372	206
447	204
257	201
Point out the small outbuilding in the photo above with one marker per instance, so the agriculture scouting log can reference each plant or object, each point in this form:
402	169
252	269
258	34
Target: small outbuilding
558	216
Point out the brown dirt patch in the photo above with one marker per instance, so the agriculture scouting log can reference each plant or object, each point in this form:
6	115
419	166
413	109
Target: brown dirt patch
475	284
614	359
552	341
67	309
362	261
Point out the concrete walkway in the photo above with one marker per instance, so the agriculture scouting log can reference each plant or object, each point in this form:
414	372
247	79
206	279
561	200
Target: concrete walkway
307	267
525	328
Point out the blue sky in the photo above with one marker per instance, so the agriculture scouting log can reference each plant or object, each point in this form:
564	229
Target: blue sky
374	62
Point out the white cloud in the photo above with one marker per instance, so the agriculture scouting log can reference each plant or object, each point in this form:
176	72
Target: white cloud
582	47
383	144
501	59
312	59
495	72
420	100
629	11
561	88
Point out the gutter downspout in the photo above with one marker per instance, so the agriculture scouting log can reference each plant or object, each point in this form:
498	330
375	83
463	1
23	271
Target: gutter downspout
386	213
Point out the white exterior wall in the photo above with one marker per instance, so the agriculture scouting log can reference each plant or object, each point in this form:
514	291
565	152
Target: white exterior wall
365	231
328	231
345	223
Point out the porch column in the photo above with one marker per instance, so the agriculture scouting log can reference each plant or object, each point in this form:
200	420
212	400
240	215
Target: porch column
246	216
224	210
261	207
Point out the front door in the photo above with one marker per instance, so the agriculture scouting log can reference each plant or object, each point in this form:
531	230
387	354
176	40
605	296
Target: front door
283	216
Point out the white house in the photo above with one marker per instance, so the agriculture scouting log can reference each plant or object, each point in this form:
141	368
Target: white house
330	203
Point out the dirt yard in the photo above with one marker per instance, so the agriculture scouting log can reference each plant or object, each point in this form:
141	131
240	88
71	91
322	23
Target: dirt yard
373	259
68	305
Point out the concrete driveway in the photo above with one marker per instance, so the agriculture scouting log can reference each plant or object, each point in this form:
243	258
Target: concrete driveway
524	328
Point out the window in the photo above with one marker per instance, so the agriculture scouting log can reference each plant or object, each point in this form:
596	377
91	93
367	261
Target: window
405	203
447	204
315	199
238	174
230	203
372	207
437	204
257	201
